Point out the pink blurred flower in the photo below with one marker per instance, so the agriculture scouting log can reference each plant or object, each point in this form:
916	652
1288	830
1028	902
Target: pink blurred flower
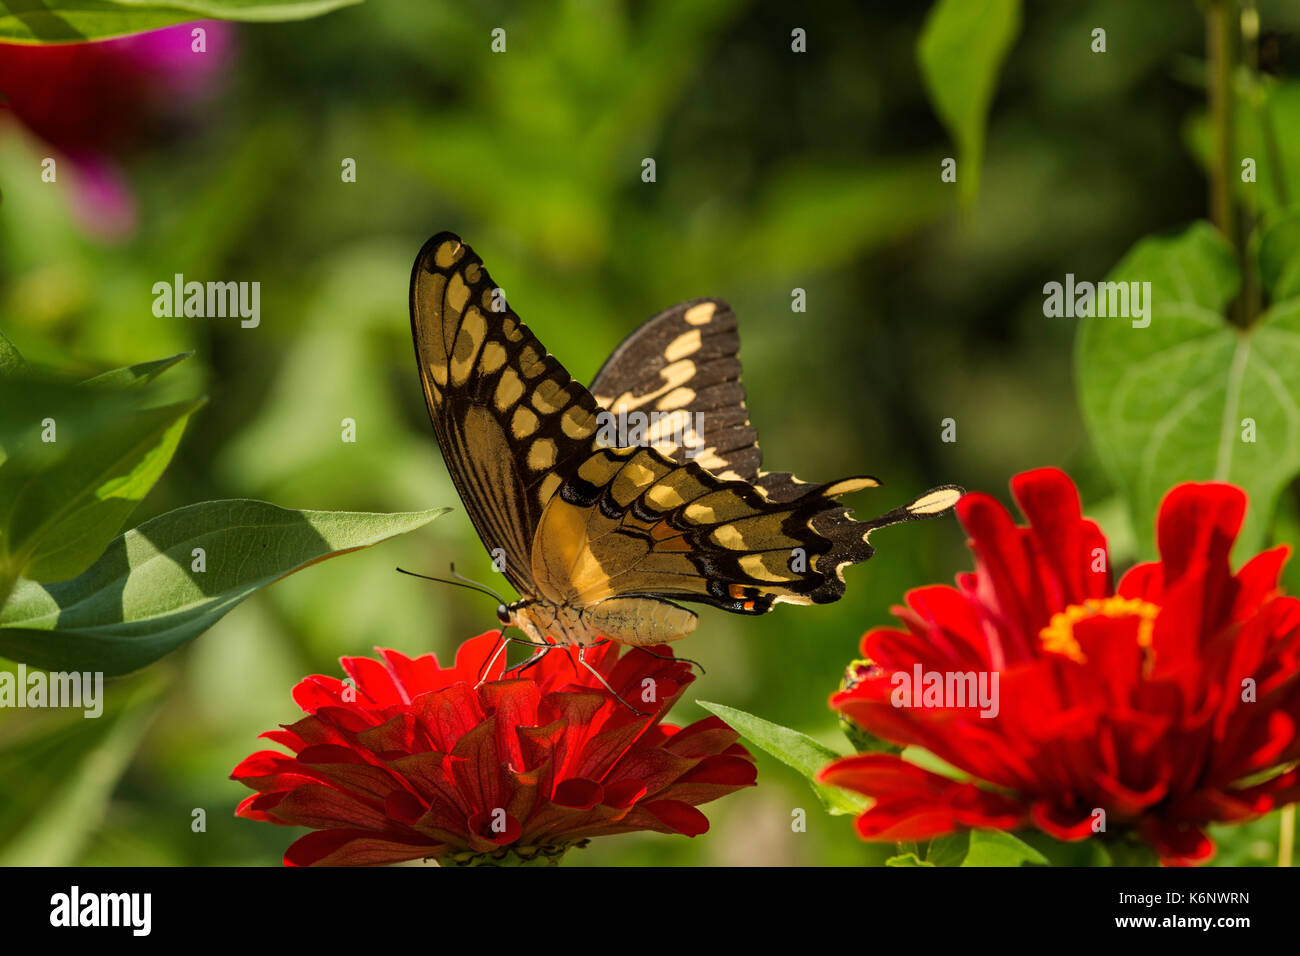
94	102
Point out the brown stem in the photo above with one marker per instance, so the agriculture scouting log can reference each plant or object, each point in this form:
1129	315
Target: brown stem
1220	42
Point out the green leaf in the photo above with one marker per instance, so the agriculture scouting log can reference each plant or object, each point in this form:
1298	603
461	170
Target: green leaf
11	360
62	501
797	751
55	784
948	850
1166	403
145	596
961	49
969	848
62	21
1279	254
996	848
133	376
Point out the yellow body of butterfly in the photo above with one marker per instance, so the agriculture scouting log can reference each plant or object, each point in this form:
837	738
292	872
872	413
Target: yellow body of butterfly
601	541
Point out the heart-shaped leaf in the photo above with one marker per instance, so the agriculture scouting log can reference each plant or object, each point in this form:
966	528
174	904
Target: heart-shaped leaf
1279	254
167	581
1191	397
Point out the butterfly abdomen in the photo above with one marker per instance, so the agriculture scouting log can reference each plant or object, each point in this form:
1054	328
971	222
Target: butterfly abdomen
639	621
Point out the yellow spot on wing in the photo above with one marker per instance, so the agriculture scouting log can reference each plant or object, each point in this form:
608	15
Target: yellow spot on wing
728	537
577	422
529	357
468	340
457	292
933	502
509	389
448	254
688	343
677	398
700	514
664	497
765	567
541	454
630	481
549	398
547	488
850	485
494	356
524	422
700	314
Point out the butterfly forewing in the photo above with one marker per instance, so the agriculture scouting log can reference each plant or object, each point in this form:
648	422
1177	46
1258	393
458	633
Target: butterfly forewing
509	419
685	362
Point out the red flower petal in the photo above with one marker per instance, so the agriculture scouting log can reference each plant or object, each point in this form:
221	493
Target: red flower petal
416	760
1150	704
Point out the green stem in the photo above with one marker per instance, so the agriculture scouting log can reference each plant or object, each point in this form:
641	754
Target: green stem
1223	47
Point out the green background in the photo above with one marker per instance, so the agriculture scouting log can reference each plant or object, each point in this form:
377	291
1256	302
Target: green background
775	170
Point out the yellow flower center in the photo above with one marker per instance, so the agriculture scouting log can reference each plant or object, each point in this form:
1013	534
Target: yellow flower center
1058	637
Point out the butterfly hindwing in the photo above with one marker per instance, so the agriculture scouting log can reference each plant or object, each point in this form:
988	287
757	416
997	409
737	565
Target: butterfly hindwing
631	521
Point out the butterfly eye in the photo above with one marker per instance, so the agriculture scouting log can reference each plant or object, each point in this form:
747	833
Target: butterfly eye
503	614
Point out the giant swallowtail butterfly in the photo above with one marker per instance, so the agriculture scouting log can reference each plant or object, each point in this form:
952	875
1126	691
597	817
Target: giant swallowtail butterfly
600	540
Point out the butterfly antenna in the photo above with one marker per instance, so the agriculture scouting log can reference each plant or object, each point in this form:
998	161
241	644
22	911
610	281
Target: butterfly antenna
463	582
481	587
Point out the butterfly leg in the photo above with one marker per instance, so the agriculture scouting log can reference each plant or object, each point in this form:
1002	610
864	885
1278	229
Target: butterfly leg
502	642
662	657
582	650
671	657
537	656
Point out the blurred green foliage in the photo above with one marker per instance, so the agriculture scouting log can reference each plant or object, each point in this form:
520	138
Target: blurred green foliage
775	170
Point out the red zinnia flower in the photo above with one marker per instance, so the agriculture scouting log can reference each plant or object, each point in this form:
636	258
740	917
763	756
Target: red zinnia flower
1168	703
412	760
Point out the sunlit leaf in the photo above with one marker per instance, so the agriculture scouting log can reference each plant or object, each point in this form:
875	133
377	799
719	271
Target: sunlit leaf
167	581
797	751
76	464
996	848
64	21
